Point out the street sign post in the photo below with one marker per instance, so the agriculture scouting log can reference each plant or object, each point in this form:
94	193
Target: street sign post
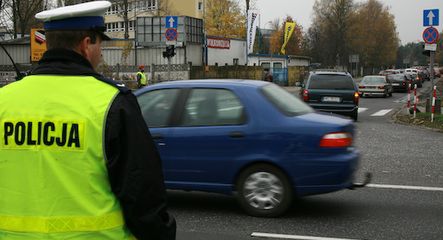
431	17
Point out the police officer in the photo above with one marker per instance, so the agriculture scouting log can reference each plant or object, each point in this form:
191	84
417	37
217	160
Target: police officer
77	160
141	77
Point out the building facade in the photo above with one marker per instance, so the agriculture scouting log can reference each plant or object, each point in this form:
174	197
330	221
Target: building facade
114	17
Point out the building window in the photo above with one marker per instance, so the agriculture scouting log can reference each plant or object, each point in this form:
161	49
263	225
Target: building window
235	61
200	6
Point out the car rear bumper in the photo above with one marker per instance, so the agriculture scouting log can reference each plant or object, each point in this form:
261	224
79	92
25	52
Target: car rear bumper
372	91
327	173
346	110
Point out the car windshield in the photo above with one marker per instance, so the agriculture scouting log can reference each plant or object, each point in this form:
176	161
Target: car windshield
331	81
396	77
284	101
373	80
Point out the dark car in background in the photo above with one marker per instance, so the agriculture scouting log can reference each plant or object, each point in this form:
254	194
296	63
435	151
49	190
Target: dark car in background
334	92
400	82
247	137
414	80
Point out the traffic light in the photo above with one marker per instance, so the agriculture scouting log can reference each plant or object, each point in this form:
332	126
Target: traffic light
170	51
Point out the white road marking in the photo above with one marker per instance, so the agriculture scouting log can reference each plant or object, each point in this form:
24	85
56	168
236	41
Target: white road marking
300	237
360	110
381	113
405	187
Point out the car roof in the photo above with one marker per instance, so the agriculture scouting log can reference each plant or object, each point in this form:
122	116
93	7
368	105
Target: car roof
330	73
232	82
206	83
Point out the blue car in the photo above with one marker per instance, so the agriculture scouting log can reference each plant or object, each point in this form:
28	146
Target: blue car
247	137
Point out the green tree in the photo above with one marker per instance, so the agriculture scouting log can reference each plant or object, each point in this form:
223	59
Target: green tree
373	35
330	31
224	18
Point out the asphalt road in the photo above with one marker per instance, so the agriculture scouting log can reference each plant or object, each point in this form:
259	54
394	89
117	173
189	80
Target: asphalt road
404	201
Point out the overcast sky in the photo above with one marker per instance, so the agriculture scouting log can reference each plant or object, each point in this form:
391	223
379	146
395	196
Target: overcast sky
408	14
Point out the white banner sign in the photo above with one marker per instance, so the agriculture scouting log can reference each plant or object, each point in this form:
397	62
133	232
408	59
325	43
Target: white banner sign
252	28
431	47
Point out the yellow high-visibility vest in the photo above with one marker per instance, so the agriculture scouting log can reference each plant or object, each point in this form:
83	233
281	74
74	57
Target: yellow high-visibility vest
143	80
53	177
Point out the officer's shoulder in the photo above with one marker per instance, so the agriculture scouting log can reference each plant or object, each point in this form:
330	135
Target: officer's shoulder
121	87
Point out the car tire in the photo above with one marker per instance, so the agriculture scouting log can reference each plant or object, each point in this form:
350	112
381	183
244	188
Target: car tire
354	115
264	191
385	94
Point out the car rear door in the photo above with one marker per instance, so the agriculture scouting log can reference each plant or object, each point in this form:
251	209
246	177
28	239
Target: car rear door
331	90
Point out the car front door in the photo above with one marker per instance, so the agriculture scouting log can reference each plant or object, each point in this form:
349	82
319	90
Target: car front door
211	135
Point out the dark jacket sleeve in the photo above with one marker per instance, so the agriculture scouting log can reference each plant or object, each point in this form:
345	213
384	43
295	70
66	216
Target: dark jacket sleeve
135	171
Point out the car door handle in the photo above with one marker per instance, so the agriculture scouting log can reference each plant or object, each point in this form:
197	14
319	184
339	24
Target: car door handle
236	134
157	136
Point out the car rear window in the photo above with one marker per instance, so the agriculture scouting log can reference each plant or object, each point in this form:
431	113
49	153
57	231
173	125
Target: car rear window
331	81
396	77
284	101
373	80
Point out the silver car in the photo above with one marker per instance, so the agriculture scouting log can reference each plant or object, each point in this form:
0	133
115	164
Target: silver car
375	85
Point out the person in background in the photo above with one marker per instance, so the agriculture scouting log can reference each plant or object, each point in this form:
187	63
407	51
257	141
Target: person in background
77	160
141	77
268	76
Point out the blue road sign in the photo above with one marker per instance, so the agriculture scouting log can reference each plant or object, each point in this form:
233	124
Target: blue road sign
171	21
431	17
430	35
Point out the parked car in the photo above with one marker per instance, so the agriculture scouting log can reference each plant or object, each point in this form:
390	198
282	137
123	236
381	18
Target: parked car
375	85
249	137
399	82
334	92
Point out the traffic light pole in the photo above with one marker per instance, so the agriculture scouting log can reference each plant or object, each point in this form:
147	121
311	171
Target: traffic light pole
169	68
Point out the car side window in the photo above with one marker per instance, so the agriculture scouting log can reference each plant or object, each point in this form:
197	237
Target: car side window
212	107
156	106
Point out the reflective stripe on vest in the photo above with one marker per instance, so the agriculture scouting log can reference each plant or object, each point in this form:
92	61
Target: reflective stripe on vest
61	224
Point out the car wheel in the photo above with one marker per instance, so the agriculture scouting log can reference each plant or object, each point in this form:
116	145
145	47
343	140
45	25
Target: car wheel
264	191
385	94
390	94
354	115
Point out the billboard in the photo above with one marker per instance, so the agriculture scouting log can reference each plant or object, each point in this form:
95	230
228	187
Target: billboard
38	44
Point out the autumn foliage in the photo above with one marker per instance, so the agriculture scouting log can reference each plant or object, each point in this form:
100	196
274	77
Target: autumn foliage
294	44
224	18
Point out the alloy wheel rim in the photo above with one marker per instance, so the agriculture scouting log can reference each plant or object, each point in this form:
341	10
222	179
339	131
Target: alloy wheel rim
263	190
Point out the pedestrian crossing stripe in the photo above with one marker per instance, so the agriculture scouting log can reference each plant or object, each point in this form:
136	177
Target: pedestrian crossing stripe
381	113
360	110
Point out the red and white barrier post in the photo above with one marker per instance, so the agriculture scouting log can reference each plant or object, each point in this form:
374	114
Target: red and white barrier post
409	98
434	96
415	100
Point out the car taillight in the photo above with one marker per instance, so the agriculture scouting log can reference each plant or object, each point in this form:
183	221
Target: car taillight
305	95
361	86
338	139
381	87
356	97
